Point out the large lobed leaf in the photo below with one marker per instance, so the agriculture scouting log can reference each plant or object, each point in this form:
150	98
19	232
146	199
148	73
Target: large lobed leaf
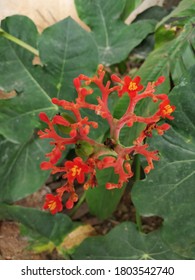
52	228
169	190
125	243
63	58
20	172
114	39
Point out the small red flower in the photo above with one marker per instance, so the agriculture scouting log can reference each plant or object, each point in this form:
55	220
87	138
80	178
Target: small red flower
76	169
165	109
131	86
53	203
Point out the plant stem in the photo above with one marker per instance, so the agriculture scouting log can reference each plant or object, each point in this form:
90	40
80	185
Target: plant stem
76	207
18	42
137	178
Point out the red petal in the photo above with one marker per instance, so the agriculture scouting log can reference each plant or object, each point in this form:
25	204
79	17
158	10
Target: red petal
44	117
45	165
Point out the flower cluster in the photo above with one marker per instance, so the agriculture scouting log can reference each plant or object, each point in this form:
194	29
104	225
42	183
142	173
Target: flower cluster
110	153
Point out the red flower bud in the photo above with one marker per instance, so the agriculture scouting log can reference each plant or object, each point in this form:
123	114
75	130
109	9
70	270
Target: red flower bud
44	117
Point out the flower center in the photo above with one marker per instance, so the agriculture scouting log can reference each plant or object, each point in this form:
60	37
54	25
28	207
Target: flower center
52	205
132	86
167	110
75	170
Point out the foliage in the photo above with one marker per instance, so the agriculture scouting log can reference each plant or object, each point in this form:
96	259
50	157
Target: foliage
64	51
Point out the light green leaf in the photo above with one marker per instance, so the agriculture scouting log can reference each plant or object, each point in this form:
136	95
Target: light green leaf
185	9
130	6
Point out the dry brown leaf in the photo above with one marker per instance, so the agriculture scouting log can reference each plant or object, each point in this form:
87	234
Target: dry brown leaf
77	236
7	95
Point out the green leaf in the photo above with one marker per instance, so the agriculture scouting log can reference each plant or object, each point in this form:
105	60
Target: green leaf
172	59
185	9
20	172
53	228
113	38
125	242
103	202
67	50
167	57
63	58
130	6
169	190
18	116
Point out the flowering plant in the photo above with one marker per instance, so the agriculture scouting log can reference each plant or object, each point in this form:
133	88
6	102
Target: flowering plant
111	153
102	134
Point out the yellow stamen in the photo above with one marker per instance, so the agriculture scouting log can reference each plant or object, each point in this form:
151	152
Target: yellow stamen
132	86
167	110
52	205
75	170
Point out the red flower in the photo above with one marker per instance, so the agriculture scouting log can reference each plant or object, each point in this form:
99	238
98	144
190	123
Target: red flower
53	203
165	109
76	169
131	86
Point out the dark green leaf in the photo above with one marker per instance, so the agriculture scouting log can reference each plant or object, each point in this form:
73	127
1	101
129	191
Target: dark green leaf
63	58
66	50
113	38
172	59
103	202
20	172
54	228
169	190
125	243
